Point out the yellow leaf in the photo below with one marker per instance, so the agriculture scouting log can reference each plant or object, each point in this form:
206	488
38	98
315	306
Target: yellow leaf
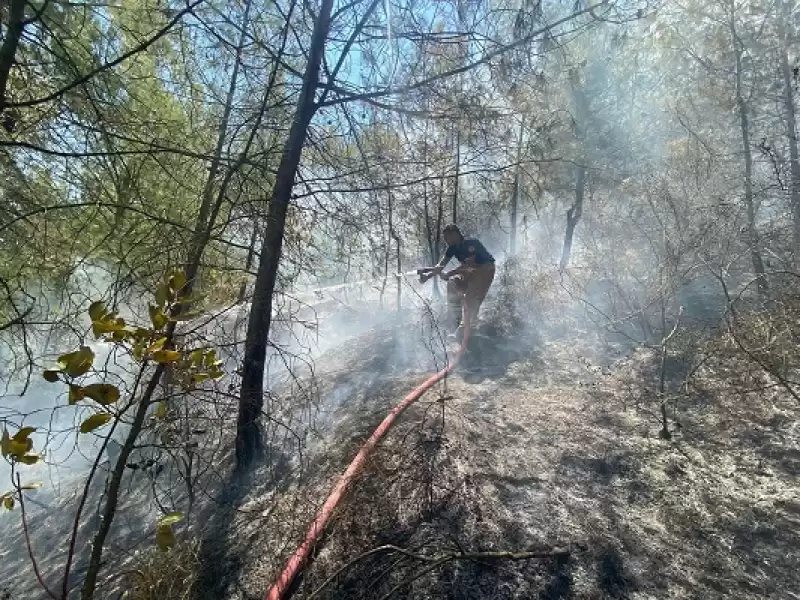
77	363
161	410
97	310
75	394
112	325
158	318
170	519
103	393
166	356
5	444
17	449
196	357
200	377
23	434
29	459
8	502
95	421
165	538
31	486
157	345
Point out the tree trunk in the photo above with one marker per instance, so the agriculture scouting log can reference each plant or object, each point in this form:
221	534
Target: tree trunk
752	231
114	485
791	126
515	190
251	399
393	236
8	51
573	216
399	274
456	178
248	264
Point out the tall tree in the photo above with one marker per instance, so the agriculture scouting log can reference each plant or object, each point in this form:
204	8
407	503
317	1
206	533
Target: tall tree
251	397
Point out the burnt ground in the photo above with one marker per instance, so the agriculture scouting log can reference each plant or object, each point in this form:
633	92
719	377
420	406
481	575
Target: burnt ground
546	438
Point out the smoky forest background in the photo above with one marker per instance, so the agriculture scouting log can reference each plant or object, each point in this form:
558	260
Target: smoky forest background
211	215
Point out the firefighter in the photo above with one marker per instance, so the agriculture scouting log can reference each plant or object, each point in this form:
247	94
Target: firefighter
473	277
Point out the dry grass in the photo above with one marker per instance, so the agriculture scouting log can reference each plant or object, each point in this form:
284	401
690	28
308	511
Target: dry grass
170	575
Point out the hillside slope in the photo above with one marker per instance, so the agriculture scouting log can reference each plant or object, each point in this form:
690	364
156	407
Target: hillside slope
547	438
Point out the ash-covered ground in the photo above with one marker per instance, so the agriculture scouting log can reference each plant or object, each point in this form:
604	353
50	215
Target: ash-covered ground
545	438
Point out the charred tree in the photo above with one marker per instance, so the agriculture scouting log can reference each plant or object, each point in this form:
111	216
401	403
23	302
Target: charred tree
579	124
744	124
251	398
791	127
573	216
515	189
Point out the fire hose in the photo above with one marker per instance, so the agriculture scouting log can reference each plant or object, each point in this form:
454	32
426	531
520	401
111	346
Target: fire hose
297	561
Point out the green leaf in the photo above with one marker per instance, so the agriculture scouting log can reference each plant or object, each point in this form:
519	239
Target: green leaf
8	502
97	310
95	421
162	295
177	281
75	394
50	375
102	393
166	356
170	519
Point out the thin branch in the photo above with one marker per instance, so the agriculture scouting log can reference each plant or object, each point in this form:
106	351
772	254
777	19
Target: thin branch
27	535
348	97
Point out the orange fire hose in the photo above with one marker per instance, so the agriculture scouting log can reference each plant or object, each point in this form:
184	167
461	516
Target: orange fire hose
300	557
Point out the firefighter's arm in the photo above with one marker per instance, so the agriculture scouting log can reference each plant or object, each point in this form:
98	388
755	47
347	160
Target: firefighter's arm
464	267
428	272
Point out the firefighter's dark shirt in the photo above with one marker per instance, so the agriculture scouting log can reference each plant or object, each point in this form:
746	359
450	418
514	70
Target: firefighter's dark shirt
470	248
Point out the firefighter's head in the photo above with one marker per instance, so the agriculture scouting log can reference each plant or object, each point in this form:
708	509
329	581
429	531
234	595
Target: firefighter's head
452	235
